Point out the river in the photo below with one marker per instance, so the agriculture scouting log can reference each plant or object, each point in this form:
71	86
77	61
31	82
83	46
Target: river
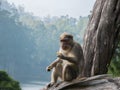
33	85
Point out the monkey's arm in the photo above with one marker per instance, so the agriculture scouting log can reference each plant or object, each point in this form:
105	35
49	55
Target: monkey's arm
53	64
70	59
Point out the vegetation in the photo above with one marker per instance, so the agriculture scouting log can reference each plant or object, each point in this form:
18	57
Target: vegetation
7	83
115	63
28	43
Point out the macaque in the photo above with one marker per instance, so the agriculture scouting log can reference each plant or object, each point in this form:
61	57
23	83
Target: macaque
70	61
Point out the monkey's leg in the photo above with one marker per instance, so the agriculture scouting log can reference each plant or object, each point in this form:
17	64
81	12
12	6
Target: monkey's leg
55	74
54	78
66	75
69	72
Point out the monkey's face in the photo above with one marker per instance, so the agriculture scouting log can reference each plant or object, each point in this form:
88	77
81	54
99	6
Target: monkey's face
66	42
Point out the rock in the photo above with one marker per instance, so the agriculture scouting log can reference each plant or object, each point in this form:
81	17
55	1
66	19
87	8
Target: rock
99	82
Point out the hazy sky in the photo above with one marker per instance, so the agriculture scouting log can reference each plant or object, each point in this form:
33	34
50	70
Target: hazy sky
74	8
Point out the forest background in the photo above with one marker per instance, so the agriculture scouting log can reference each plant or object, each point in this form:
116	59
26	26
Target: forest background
29	43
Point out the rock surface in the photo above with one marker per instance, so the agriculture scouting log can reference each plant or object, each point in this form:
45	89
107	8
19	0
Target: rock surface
99	82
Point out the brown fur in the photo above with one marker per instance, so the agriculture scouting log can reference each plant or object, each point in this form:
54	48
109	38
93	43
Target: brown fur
70	61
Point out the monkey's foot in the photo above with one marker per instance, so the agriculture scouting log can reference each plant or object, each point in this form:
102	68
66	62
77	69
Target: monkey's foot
57	84
50	84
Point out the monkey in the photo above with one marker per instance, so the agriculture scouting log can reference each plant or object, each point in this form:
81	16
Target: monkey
70	60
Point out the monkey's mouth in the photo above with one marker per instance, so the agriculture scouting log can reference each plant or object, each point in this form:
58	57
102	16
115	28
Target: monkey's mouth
65	47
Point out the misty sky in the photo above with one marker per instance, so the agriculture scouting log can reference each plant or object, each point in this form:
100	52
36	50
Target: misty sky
73	8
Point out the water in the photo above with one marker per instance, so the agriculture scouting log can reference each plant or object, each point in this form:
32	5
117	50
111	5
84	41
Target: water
33	85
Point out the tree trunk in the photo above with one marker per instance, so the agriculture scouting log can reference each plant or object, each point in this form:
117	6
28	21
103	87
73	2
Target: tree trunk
101	36
100	41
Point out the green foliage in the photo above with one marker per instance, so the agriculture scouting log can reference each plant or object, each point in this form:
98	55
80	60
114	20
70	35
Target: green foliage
7	83
114	67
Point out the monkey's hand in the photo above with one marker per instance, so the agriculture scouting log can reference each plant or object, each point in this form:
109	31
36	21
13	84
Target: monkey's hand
49	68
70	59
60	55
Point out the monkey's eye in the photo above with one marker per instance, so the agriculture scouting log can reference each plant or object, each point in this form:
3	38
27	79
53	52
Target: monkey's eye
64	40
69	36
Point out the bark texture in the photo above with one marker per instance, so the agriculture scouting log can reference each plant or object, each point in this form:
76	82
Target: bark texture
101	36
100	41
